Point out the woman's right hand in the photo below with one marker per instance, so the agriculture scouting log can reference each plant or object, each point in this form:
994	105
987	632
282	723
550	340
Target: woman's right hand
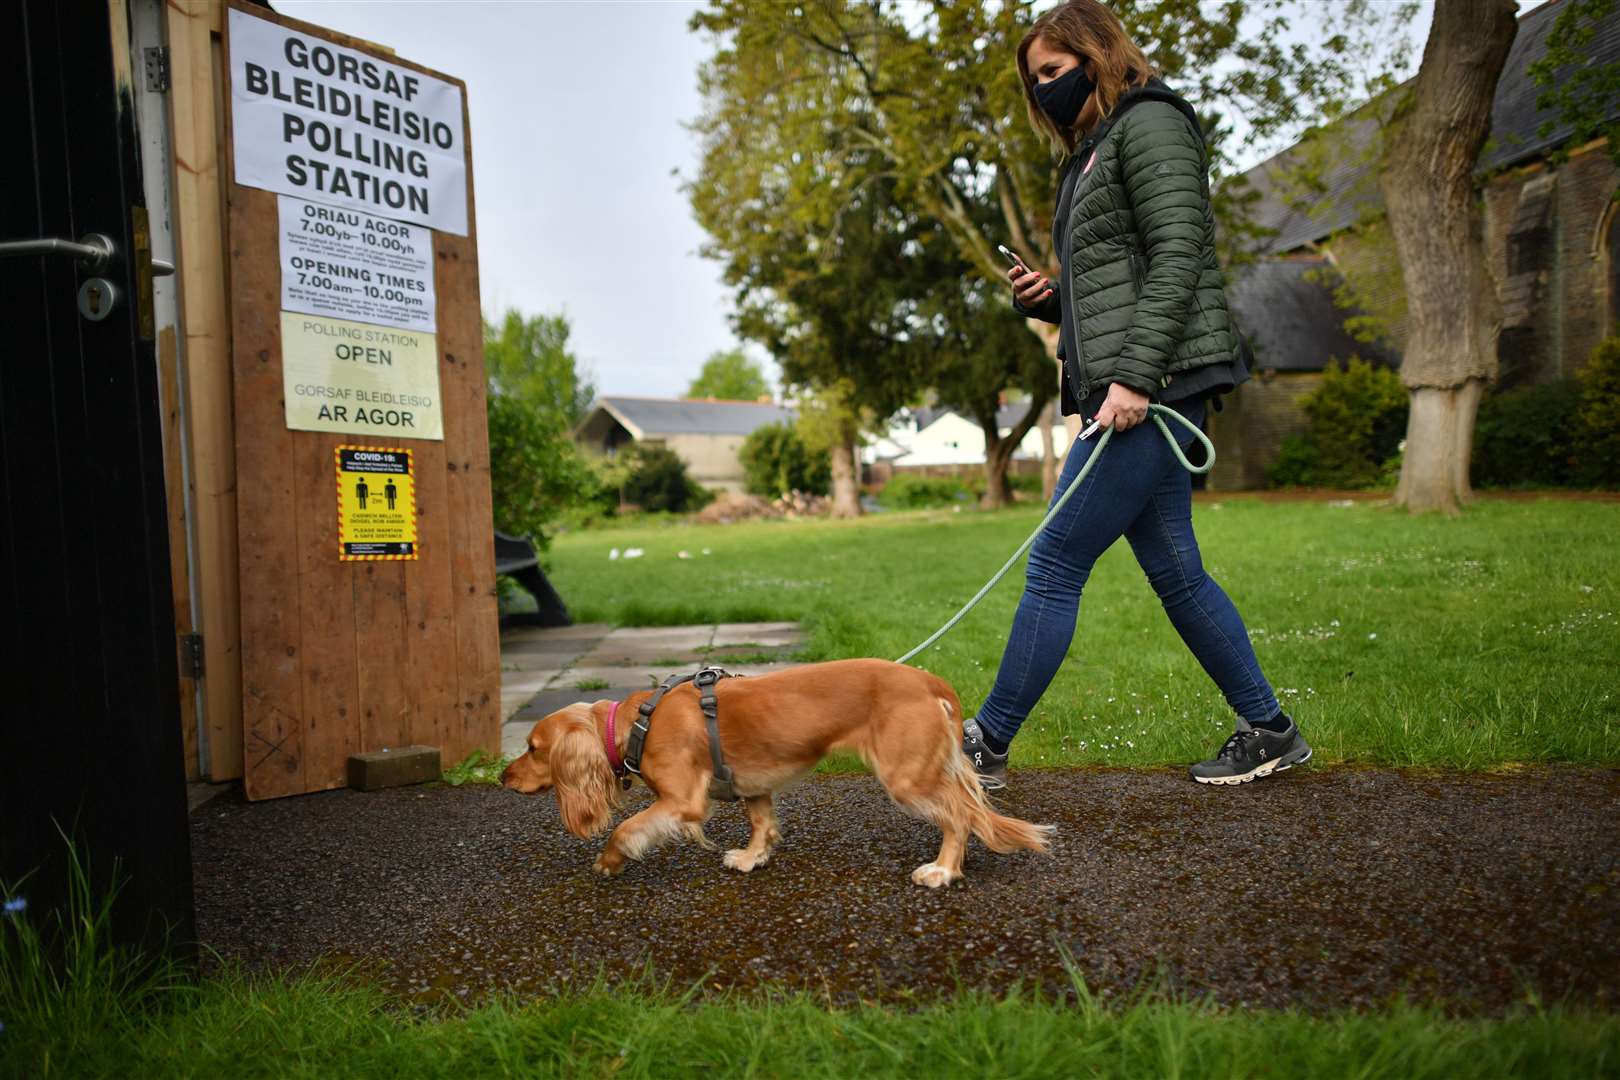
1029	287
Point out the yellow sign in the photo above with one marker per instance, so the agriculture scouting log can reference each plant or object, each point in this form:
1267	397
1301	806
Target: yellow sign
376	503
354	377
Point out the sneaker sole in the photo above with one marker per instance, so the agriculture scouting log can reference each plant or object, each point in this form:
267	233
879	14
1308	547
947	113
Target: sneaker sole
990	783
1259	771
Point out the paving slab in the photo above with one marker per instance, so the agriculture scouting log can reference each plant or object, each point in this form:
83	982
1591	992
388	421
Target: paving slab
576	632
764	633
552	662
541	667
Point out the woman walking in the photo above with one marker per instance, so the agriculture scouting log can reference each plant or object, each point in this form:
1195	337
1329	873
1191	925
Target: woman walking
1143	318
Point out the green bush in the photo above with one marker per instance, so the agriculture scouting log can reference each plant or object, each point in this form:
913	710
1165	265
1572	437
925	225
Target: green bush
1526	437
1598	449
657	481
775	461
1357	420
909	491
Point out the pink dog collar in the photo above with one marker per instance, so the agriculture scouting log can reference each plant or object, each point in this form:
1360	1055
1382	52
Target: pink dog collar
612	740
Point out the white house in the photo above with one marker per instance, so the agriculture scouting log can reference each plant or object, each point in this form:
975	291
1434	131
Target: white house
946	438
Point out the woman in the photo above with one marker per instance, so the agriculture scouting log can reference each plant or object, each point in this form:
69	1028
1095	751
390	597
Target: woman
1143	317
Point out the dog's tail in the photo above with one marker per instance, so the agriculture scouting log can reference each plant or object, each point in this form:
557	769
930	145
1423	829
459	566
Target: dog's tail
965	798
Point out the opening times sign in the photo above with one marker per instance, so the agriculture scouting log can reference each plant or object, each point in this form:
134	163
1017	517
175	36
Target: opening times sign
321	121
354	265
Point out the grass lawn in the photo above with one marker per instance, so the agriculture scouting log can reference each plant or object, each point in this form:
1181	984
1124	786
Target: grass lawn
314	1027
1475	642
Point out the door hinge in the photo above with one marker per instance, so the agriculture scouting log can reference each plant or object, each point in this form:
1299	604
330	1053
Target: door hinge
191	656
157	68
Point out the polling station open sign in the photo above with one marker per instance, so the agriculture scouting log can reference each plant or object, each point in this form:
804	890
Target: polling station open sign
376	504
325	122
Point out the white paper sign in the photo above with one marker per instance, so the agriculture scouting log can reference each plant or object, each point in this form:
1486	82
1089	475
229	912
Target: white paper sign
330	123
353	265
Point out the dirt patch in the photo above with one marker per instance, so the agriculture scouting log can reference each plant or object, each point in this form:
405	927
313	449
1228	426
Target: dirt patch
1320	889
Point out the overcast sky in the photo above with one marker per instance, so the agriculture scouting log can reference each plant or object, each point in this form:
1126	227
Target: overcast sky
577	111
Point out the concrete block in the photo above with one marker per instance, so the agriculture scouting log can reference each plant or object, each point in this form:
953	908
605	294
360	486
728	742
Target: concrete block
393	767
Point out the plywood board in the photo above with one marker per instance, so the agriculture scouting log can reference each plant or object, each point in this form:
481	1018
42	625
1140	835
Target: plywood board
342	657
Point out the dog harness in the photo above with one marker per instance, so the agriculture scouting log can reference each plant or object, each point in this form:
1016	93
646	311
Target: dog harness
721	787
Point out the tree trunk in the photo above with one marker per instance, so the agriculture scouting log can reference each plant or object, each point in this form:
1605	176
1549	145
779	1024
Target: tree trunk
1428	192
846	488
998	451
1439	440
1049	460
997	454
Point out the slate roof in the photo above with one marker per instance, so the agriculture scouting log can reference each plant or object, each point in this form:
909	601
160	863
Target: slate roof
1351	181
672	416
1291	320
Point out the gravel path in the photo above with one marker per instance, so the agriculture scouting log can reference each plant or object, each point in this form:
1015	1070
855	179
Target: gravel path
1324	888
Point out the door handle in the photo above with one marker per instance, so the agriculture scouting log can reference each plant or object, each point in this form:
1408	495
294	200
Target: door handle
94	250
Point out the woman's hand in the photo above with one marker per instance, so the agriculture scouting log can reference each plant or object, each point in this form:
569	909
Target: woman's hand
1123	409
1029	287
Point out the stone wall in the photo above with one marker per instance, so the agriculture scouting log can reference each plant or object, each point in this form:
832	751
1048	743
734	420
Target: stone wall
1547	231
1250	428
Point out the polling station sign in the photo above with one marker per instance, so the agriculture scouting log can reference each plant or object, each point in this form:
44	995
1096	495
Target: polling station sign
330	123
345	376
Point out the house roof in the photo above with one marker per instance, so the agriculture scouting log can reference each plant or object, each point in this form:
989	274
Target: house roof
1350	180
1006	416
1290	319
1515	119
681	416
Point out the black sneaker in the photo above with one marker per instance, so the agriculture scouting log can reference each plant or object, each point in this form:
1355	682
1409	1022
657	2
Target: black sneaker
1253	752
991	766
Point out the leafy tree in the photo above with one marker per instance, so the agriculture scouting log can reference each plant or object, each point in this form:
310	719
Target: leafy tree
534	398
730	376
529	359
776	460
983	352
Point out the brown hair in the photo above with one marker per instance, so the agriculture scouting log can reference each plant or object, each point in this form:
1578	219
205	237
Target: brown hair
1090	31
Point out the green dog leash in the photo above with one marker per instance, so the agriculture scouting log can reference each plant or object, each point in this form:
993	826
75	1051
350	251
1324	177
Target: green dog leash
1156	413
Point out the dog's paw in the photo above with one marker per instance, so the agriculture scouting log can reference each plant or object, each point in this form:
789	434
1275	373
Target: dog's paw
933	875
607	867
743	861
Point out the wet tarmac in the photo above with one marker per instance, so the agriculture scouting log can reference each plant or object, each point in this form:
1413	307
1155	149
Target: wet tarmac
1321	889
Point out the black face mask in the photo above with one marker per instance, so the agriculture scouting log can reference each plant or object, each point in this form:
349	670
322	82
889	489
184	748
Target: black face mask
1064	97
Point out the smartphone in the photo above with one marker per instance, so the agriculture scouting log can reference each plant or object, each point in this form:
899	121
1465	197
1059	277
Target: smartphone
1012	257
1089	432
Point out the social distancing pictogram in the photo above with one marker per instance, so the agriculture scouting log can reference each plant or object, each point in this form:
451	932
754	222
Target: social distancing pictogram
376	503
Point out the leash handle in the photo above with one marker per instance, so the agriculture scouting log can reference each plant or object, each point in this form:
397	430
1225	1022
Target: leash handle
1156	412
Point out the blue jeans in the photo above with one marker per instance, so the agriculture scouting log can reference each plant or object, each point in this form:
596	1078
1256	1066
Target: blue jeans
1139	491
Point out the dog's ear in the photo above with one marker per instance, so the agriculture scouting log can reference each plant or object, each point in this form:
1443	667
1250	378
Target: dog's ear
586	787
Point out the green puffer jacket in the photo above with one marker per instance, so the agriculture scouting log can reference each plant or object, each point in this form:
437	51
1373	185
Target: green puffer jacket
1141	299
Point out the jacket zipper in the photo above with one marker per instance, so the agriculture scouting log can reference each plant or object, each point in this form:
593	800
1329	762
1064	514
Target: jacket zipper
1086	148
